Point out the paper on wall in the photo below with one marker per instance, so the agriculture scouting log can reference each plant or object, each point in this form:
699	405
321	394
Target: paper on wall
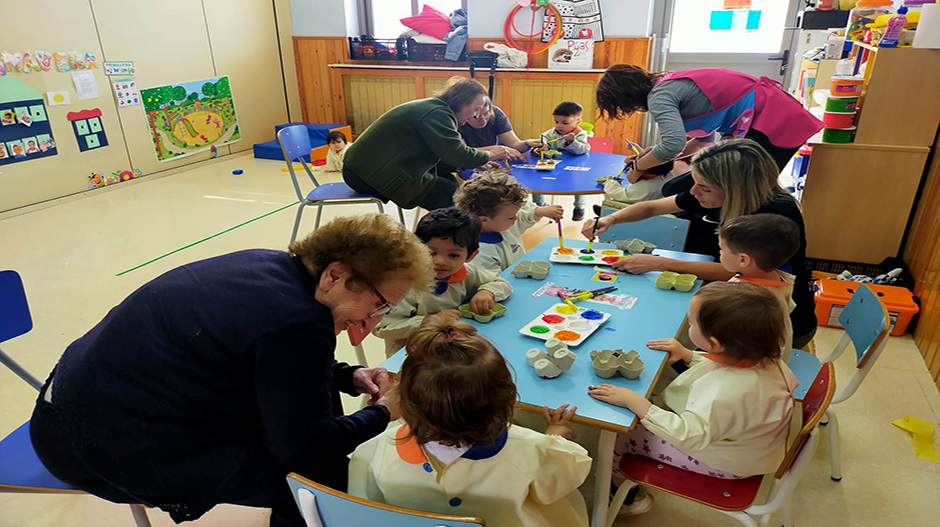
58	98
126	91
85	84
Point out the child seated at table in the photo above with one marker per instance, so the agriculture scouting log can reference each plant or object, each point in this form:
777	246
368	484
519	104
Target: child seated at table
453	237
500	203
755	247
458	451
338	144
728	415
567	135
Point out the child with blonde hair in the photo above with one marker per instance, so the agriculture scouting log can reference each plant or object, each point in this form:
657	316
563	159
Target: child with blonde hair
458	451
500	203
728	414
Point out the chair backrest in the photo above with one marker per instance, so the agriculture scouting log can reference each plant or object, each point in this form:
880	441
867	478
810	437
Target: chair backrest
664	231
295	143
14	310
815	404
866	321
604	145
324	507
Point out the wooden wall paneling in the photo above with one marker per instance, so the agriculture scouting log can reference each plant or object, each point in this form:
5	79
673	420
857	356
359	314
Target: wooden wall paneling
313	56
243	45
924	237
533	102
632	50
369	96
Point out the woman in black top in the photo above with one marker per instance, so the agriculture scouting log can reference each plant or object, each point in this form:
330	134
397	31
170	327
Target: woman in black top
732	178
215	380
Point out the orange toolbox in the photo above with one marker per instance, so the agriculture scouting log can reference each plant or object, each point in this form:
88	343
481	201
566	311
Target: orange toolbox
833	295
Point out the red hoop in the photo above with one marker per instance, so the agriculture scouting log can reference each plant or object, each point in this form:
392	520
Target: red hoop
510	25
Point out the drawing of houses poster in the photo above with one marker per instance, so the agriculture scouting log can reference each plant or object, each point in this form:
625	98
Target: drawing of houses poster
190	117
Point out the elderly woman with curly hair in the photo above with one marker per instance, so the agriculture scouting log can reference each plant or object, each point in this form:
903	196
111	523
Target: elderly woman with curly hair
212	382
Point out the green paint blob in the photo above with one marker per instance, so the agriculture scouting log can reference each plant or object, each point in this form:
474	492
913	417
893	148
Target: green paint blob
539	329
586	258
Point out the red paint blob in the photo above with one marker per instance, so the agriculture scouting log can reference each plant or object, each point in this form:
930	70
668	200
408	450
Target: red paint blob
610	259
553	319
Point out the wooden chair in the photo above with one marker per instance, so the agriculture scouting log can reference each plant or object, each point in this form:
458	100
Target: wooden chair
867	325
735	497
324	507
21	471
665	232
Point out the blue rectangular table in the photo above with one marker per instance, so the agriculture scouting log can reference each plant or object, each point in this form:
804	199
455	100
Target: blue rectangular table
656	314
561	181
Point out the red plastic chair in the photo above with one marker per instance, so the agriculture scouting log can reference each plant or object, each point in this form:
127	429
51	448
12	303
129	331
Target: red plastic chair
605	145
735	497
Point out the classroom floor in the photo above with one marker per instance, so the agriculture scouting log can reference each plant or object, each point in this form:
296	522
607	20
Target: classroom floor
69	256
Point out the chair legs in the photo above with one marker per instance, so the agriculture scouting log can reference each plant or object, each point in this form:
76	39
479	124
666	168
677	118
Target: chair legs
300	212
140	516
835	456
15	367
618	500
742	517
401	214
319	213
602	472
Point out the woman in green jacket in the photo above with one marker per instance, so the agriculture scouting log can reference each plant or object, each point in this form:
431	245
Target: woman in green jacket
395	157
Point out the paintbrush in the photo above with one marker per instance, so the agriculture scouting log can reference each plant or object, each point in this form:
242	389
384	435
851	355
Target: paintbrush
561	242
567	301
591	243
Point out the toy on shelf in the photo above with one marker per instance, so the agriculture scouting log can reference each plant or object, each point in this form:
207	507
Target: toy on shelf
566	323
582	256
679	282
534	270
550	365
635	246
608	363
496	311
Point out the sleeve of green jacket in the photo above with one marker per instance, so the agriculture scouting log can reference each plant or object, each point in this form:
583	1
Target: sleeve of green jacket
439	131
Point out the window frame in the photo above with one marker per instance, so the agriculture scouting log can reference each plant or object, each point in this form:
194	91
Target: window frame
366	19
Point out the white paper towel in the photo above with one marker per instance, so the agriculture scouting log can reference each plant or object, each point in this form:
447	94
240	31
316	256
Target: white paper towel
928	29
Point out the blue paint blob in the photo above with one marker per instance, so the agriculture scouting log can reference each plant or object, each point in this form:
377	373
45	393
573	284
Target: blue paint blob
591	314
585	251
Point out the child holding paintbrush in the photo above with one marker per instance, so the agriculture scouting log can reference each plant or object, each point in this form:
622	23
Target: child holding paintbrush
566	135
644	184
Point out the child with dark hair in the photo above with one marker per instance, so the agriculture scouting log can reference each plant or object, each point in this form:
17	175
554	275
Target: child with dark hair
458	451
755	247
338	144
500	203
728	414
453	237
567	135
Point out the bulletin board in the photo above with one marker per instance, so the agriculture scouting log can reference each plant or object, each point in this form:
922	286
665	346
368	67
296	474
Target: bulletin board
170	41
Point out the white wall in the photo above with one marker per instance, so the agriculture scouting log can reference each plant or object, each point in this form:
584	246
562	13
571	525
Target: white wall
318	18
352	18
622	18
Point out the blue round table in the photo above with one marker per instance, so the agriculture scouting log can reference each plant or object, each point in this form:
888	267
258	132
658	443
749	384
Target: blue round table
561	181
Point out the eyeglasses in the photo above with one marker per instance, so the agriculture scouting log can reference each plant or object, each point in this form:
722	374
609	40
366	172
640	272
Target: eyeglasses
384	308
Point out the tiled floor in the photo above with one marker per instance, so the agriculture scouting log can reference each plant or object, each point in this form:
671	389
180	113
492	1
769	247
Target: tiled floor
69	256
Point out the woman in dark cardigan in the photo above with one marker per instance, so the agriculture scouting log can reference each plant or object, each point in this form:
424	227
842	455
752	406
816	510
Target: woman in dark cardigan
396	156
212	382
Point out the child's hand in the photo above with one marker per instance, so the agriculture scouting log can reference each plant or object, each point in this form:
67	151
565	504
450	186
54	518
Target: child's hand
534	144
676	350
482	302
558	419
554	212
638	263
612	394
569	137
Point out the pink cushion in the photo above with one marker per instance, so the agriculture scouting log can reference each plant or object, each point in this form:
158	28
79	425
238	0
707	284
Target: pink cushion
430	22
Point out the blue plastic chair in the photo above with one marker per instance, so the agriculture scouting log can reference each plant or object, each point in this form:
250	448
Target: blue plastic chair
21	471
295	143
324	507
867	325
665	232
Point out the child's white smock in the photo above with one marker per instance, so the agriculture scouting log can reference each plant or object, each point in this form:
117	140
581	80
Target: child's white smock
499	251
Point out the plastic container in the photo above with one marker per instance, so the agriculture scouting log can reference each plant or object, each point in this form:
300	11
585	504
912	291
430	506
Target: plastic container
833	295
846	86
895	27
838	135
368	48
847	104
838	120
864	13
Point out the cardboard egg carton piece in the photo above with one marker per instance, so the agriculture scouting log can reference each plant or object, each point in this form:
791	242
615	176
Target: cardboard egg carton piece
550	153
604	179
496	311
635	246
679	282
529	269
608	363
550	365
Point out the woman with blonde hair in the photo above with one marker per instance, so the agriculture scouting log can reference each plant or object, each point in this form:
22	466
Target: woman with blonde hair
395	157
732	178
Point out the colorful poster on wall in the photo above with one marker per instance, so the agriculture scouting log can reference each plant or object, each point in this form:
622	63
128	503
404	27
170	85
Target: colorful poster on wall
20	104
571	54
126	91
89	132
190	117
119	68
579	19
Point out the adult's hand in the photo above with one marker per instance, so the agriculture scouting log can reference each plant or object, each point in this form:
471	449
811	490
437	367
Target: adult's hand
390	401
534	143
602	225
371	381
499	152
640	263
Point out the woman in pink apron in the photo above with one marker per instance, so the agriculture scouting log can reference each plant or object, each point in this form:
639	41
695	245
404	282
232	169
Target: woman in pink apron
702	102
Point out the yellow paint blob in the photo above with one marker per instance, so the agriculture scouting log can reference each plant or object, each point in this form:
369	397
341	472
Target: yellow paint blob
566	310
609	252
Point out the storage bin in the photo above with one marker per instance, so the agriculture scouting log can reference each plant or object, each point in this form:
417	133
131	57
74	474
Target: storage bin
838	135
384	49
418	52
842	104
838	120
833	295
846	86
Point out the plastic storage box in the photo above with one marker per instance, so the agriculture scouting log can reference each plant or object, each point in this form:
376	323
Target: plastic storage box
833	295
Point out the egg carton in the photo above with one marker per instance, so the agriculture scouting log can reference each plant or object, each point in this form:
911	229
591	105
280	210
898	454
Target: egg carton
608	363
550	153
529	269
561	322
679	282
635	246
496	311
549	365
